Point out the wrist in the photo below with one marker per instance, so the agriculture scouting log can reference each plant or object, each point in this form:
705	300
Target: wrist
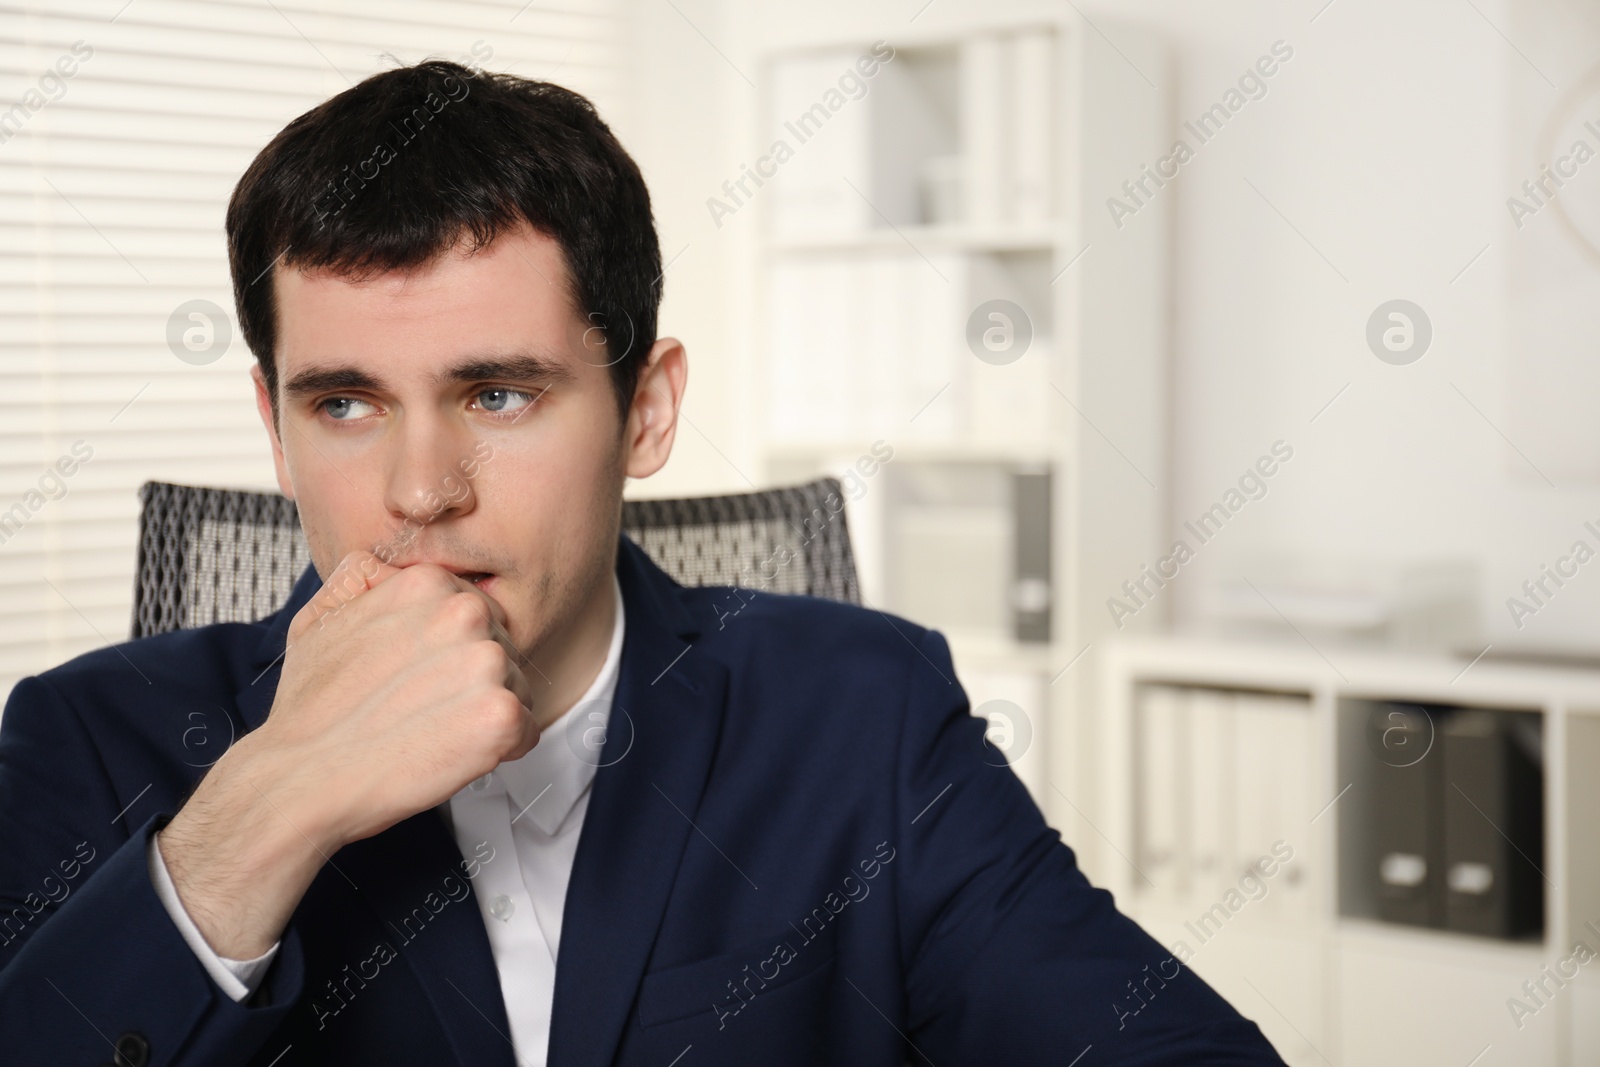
262	783
239	857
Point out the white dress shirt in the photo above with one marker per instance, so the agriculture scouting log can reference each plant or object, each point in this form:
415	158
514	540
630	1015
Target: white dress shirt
531	809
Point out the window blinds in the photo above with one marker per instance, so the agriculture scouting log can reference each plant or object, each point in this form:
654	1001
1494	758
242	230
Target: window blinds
123	128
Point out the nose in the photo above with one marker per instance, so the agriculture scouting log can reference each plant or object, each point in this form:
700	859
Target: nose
427	477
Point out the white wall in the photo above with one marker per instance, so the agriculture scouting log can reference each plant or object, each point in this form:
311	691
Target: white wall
1390	142
684	108
1387	142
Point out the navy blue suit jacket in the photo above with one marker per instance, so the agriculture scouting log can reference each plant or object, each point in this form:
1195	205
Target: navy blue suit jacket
796	852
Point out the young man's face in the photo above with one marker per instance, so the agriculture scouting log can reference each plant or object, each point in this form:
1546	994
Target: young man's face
464	415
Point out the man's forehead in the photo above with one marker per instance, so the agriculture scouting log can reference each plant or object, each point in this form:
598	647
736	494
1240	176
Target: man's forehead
499	311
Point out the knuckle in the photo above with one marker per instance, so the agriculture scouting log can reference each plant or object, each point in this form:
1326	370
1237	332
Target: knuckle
499	715
463	610
489	658
310	612
470	601
356	567
506	707
418	575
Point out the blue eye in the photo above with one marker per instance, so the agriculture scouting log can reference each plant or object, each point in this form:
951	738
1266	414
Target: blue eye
344	408
504	401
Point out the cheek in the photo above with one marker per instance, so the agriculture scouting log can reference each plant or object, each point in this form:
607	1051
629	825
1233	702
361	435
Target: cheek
322	538
336	518
572	453
549	495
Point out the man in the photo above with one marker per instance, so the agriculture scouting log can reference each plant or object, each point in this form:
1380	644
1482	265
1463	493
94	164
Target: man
499	790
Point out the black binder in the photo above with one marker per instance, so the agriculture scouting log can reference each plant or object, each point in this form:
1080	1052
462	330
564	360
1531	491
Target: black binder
1493	824
1407	855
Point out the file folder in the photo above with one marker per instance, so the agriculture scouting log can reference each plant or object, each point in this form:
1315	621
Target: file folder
1212	777
1493	826
1162	790
1030	534
1407	853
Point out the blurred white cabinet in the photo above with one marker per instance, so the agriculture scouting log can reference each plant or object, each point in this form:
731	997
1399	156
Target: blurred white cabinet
1217	748
938	277
1403	1002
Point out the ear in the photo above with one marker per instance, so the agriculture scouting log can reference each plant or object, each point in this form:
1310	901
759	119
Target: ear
264	409
653	417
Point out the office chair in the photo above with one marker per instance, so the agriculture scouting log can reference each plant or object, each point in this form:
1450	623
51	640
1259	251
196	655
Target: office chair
226	555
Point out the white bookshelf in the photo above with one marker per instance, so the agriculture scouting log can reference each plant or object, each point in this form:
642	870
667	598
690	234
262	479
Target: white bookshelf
1095	296
1332	985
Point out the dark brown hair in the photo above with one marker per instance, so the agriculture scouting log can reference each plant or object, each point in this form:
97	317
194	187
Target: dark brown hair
396	170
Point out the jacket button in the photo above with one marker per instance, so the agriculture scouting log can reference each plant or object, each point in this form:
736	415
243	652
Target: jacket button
132	1050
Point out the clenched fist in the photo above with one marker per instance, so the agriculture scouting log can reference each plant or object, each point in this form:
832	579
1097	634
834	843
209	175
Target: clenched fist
399	686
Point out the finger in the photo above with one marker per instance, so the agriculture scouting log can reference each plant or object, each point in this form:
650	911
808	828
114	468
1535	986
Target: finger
517	681
525	743
495	612
356	573
528	737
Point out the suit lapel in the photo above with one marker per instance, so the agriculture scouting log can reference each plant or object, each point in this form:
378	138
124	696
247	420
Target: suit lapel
670	700
400	874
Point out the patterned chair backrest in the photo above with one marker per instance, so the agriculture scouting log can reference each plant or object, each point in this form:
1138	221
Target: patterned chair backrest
227	555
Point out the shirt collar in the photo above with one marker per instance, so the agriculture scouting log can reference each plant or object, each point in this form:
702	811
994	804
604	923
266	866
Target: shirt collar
545	784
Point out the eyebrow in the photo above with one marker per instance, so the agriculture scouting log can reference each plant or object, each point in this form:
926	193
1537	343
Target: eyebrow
524	367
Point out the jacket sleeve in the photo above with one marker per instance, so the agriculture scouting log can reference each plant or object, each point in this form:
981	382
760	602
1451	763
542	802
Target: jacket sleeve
1011	955
89	955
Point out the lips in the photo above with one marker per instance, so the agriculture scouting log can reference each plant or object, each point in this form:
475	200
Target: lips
482	580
